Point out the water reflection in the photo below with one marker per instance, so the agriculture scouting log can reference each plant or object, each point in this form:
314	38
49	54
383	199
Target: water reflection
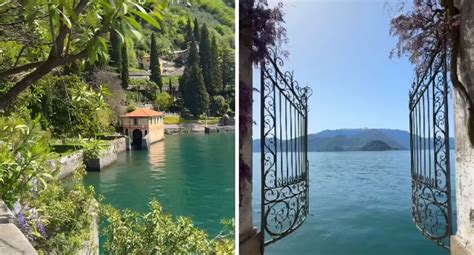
157	156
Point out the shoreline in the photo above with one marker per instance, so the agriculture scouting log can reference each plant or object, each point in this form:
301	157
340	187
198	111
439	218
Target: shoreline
186	128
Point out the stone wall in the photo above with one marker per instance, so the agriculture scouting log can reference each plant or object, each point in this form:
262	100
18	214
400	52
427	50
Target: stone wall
463	240
70	163
12	241
108	156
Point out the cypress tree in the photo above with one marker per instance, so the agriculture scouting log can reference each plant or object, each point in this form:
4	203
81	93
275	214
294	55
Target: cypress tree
195	96
170	87
193	56
216	74
155	64
227	69
115	50
197	34
205	58
189	37
124	69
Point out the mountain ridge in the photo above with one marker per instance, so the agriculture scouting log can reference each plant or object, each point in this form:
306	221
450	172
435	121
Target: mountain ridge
355	139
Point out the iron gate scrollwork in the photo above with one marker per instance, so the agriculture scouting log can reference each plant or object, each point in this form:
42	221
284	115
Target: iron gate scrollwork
429	151
284	161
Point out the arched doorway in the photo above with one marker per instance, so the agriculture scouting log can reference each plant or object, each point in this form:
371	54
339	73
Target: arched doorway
137	139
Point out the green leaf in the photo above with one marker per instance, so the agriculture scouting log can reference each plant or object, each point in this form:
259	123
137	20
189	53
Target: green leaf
65	18
137	34
133	22
148	18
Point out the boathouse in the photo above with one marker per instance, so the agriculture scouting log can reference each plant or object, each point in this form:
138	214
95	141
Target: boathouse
144	126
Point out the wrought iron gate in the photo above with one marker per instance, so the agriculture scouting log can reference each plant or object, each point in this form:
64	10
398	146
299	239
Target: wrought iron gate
429	147
284	131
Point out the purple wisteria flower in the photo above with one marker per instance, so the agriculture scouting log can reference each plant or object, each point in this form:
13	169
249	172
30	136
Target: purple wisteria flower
22	223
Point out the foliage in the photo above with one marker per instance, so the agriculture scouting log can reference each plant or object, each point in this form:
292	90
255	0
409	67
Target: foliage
146	88
93	148
124	69
192	87
45	35
228	69
172	119
205	58
155	232
131	108
223	13
59	219
115	53
163	101
430	35
70	107
265	26
189	31
218	106
115	98
196	32
216	72
155	64
24	153
422	31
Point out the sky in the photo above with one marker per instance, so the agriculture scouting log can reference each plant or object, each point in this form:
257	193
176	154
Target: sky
341	48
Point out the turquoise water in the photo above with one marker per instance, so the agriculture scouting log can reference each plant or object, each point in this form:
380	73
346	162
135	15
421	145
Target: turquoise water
191	175
360	204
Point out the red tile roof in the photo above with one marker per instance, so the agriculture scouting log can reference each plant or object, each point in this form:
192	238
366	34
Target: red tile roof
144	112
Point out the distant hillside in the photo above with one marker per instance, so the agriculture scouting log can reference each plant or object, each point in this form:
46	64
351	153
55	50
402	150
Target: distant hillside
356	139
376	145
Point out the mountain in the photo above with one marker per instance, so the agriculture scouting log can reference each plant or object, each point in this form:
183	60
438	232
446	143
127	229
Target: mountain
376	145
357	139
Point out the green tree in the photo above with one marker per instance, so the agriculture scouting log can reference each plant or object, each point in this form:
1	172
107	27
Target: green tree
196	33
69	106
218	106
205	58
24	155
163	101
124	68
216	75
155	64
228	70
195	96
115	52
50	27
189	31
193	56
170	88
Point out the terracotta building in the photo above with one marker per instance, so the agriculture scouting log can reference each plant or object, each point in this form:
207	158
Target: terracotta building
144	126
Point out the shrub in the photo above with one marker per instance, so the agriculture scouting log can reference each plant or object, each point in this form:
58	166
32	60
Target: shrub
54	215
93	148
70	106
173	119
24	152
163	101
218	106
129	232
58	220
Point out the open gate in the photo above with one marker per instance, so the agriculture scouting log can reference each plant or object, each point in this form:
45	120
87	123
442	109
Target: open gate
429	147
284	146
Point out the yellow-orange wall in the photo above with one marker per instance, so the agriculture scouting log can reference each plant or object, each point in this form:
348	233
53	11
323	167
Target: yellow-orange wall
153	125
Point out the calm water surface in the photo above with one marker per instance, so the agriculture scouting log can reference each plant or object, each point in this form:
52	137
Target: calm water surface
360	204
191	175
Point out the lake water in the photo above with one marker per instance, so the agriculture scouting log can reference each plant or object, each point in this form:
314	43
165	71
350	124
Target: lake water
191	175
360	204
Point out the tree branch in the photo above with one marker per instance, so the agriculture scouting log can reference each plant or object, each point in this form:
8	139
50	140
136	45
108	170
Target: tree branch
46	67
19	69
